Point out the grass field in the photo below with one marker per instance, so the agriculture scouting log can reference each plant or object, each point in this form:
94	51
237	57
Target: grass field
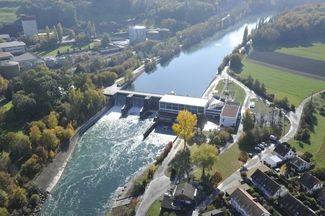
64	48
227	163
154	209
315	51
235	91
8	10
317	140
282	83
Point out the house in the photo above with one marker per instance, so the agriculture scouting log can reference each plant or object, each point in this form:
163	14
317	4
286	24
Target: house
185	193
215	212
284	151
13	47
182	198
27	61
268	186
273	161
245	205
321	197
298	164
310	183
292	206
230	114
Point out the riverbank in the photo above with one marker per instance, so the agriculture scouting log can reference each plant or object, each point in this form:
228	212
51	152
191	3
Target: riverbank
51	174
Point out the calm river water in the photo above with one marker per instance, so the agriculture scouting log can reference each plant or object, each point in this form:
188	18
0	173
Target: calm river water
112	150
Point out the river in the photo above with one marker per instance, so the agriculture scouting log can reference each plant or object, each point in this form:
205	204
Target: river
112	151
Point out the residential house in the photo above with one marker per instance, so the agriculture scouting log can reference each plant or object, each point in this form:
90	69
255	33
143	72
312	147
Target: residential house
284	151
321	197
230	114
310	183
270	188
185	193
182	198
245	205
294	207
215	212
298	164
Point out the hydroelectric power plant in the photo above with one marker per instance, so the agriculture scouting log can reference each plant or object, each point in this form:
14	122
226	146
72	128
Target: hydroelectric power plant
113	150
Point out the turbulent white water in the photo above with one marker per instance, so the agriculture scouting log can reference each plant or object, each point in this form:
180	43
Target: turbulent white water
106	156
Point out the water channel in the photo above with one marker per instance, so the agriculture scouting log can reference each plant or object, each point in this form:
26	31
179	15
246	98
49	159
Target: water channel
112	150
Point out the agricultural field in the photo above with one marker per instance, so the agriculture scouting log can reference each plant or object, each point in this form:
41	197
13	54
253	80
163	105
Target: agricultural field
307	66
282	83
314	51
317	138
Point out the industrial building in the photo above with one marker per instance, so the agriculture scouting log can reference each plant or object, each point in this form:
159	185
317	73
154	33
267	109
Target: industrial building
137	34
8	67
29	26
13	47
230	114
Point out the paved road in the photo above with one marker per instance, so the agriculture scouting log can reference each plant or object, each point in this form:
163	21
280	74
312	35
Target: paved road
160	183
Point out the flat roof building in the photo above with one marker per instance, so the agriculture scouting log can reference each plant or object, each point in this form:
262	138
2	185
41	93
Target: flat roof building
230	114
29	26
13	47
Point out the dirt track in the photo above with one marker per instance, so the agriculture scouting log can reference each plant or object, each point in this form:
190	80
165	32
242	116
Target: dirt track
292	63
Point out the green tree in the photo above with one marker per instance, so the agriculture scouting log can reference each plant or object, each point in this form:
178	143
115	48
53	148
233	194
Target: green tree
35	135
235	62
31	167
49	140
185	126
3	85
3	199
181	163
48	33
248	121
59	29
204	156
18	198
34	200
52	120
4	212
245	36
106	40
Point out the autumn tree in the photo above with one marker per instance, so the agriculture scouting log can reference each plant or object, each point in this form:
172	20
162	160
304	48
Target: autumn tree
185	125
52	120
59	30
49	140
204	156
35	135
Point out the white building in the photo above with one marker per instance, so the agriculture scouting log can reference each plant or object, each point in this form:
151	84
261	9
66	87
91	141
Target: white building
14	47
229	114
137	34
29	26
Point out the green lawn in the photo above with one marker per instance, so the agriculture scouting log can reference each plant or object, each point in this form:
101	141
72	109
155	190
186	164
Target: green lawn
282	83
236	91
6	107
317	140
7	15
314	51
227	163
154	209
64	48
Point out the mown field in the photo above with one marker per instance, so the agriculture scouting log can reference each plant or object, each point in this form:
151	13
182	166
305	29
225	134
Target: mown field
295	64
64	49
314	51
317	139
282	83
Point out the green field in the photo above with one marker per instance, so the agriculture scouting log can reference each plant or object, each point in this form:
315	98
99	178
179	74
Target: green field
64	49
7	15
237	93
282	83
227	163
317	139
154	209
315	51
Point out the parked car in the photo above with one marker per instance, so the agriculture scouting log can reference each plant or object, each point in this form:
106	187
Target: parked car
261	146
250	155
264	144
257	148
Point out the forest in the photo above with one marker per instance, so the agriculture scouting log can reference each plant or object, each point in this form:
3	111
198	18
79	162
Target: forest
292	27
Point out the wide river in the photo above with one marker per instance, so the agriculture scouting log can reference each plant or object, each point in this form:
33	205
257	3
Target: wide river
112	151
